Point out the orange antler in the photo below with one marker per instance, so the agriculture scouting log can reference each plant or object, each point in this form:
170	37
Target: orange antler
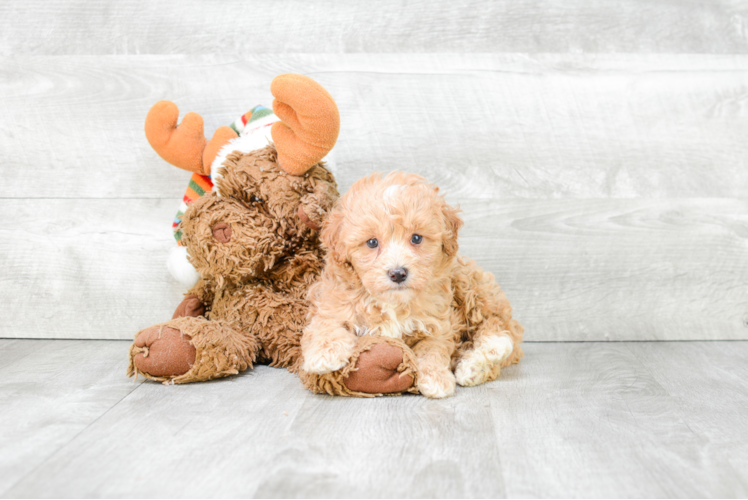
310	122
184	146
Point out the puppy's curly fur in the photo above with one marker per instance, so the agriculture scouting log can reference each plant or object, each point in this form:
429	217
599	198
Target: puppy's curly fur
392	270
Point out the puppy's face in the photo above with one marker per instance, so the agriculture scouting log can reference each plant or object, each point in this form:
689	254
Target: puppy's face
396	232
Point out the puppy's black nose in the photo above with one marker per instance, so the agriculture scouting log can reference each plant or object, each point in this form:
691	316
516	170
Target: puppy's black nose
398	275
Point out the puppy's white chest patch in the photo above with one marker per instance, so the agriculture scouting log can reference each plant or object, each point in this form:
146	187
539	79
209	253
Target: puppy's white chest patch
393	328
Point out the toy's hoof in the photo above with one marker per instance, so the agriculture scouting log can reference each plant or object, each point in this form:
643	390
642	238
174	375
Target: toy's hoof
377	371
191	307
164	352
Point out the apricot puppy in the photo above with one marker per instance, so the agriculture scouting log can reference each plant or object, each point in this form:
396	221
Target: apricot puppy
392	270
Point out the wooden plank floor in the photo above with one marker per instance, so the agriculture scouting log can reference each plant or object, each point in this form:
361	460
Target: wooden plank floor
662	419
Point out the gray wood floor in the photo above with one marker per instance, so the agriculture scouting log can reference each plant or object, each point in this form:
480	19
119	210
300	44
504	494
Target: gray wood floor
662	419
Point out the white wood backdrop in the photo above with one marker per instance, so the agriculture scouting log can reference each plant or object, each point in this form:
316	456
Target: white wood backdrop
598	150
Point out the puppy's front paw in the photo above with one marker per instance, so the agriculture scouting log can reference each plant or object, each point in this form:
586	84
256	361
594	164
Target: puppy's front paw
436	383
328	355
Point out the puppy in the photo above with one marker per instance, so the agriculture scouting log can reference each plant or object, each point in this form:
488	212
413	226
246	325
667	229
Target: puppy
392	269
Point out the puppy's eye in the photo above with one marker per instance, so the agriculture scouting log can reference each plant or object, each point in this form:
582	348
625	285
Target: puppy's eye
416	239
372	243
255	199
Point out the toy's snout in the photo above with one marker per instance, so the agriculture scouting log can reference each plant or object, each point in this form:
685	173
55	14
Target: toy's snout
222	232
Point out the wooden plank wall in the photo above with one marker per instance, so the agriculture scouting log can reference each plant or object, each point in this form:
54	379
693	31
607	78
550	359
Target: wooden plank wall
598	151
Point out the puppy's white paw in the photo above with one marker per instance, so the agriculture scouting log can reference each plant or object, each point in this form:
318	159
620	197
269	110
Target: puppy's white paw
327	357
472	369
496	348
477	365
436	384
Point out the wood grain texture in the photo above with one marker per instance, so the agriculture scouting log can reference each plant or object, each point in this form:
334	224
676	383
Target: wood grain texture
598	150
628	269
192	27
571	420
479	125
49	394
593	421
12	351
637	269
85	268
389	448
713	397
214	439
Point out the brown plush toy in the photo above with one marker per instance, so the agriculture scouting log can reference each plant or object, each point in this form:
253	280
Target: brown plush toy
254	242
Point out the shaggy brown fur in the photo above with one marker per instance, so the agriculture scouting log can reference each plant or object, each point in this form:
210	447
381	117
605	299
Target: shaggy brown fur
449	311
255	272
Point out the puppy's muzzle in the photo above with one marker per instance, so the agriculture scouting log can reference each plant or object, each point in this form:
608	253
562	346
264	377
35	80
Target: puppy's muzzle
398	275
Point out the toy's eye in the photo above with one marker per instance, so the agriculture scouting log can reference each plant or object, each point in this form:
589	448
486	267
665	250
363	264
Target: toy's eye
255	199
372	243
416	239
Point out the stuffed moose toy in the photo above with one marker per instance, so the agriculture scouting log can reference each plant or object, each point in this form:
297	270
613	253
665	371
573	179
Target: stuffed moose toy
258	197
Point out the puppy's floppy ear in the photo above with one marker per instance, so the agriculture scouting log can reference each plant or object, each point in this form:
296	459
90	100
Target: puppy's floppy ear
452	224
331	237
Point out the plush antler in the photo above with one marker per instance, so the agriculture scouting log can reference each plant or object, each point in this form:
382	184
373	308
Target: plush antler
183	146
310	122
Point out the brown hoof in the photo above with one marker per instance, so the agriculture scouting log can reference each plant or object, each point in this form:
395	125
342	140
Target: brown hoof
377	371
189	307
166	355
